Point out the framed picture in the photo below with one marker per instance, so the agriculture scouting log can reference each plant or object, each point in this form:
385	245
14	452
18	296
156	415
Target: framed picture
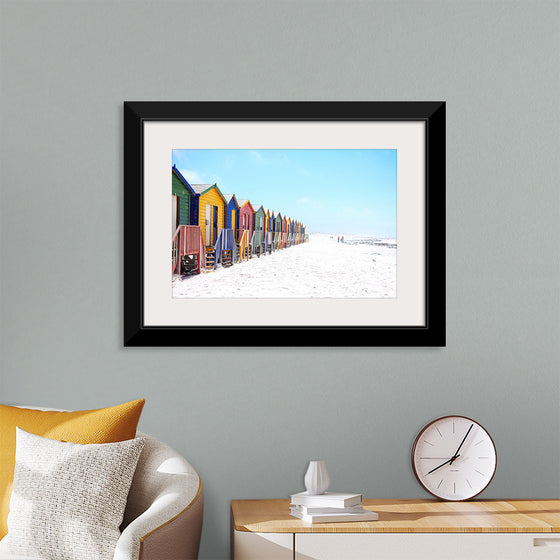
292	223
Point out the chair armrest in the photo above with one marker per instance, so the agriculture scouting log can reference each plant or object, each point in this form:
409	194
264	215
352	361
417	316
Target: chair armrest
163	517
161	532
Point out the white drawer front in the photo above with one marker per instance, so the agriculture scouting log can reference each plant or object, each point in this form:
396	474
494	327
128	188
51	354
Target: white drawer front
262	546
427	546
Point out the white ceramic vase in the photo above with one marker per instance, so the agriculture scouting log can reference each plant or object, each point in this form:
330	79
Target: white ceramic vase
316	478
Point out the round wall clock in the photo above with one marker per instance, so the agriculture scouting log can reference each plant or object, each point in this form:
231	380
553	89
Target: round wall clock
454	458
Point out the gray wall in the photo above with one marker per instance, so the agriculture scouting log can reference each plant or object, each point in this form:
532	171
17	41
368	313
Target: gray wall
249	419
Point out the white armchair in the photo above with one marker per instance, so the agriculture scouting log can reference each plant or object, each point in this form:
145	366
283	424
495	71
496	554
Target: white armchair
163	516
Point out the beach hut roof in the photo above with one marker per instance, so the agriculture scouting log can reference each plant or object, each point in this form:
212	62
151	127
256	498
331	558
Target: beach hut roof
182	179
229	196
243	201
203	188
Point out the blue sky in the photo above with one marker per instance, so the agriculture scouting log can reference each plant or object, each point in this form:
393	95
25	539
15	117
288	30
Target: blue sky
330	191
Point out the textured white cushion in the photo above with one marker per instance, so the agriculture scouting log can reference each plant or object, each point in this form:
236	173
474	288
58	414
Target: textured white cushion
68	499
17	557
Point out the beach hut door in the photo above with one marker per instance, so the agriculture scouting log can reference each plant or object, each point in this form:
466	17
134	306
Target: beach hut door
208	226
215	224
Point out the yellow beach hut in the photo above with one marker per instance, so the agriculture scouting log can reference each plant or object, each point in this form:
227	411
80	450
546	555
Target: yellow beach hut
211	211
267	232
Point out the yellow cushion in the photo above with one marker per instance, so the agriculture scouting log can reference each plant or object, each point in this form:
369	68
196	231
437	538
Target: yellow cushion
103	425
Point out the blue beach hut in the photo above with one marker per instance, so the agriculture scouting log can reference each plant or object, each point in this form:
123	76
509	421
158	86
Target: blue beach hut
225	247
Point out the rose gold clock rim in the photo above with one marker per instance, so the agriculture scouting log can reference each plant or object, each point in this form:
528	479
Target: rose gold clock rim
423	430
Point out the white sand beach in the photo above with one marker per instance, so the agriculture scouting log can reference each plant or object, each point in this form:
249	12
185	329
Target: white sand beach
321	268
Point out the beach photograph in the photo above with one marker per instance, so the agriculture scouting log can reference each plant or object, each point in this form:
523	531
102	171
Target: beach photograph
284	223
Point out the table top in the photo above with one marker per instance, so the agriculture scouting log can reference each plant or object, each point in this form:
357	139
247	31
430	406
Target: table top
409	516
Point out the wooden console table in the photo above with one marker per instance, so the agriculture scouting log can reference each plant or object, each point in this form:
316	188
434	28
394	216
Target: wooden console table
406	529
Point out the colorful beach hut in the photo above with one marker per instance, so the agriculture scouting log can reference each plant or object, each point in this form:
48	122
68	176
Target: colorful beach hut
211	211
272	228
257	239
232	212
211	214
187	246
267	232
181	196
225	247
278	230
290	223
284	232
246	216
246	228
259	219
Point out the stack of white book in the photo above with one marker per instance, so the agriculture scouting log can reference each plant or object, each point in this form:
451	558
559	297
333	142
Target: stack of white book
330	507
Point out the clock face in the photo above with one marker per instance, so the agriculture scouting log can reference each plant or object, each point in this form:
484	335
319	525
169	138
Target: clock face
454	458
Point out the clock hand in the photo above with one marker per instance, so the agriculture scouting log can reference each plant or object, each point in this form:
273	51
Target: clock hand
461	445
455	456
439	467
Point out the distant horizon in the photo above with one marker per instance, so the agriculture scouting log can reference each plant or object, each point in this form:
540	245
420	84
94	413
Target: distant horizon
353	192
353	234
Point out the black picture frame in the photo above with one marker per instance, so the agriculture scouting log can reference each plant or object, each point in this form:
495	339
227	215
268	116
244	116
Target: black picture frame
136	333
